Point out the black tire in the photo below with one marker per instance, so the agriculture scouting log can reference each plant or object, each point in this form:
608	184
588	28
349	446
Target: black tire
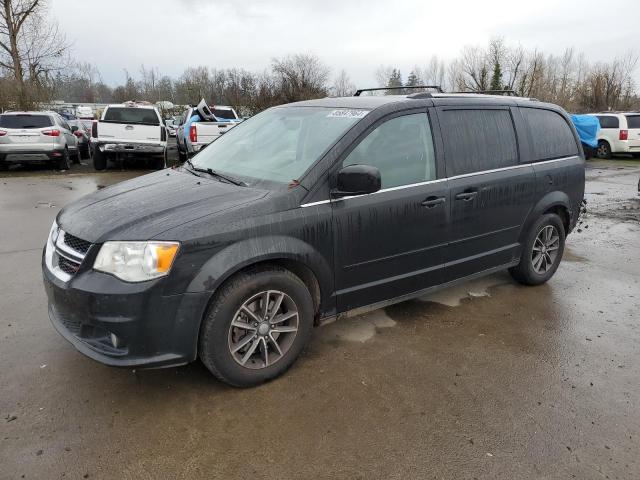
99	159
182	156
214	348
159	163
525	271
63	162
3	166
76	156
85	153
604	150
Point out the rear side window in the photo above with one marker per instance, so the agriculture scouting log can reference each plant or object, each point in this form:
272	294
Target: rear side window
608	122
477	140
633	121
550	134
142	116
25	121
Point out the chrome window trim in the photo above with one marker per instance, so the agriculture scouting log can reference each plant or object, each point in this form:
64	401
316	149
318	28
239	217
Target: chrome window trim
419	184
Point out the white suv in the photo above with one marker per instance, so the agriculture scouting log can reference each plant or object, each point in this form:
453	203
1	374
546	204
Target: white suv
619	133
37	137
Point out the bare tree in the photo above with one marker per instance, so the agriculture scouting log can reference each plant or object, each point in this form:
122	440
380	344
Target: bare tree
342	85
31	48
300	77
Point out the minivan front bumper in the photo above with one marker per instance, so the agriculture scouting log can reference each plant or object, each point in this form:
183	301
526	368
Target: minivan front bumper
125	324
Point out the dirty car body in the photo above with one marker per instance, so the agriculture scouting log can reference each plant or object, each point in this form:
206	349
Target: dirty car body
302	234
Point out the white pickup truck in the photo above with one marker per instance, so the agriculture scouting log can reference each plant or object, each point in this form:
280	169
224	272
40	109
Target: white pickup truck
129	130
214	121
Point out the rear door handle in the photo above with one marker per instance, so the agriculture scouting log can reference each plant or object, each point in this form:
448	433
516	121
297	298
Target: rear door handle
431	202
466	196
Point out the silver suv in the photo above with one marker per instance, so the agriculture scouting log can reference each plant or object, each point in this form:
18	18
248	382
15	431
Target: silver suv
37	137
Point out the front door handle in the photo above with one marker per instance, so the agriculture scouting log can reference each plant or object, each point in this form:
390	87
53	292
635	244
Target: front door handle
466	196
431	202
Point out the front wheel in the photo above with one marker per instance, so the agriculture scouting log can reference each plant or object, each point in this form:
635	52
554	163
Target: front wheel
542	251
256	327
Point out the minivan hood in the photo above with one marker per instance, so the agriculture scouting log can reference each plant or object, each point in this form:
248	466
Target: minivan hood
144	207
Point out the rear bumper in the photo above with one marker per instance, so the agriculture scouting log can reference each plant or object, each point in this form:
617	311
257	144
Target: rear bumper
27	153
130	147
152	330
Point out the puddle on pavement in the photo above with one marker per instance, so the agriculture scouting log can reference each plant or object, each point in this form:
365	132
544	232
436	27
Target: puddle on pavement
362	328
569	256
452	296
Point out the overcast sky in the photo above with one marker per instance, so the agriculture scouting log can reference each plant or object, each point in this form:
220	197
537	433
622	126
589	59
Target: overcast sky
357	35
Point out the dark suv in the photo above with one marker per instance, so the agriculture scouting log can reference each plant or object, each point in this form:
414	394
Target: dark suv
308	212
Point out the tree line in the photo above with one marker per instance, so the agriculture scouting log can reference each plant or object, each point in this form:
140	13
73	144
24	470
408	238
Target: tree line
568	80
36	67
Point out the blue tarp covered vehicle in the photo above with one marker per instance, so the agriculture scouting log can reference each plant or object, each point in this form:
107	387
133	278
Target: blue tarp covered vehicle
587	127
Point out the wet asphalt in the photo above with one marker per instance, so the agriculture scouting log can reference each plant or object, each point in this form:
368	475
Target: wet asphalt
486	380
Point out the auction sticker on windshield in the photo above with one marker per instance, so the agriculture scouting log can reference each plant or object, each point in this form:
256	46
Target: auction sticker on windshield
345	113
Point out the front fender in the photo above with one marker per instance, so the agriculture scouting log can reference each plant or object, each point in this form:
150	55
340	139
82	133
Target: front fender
244	253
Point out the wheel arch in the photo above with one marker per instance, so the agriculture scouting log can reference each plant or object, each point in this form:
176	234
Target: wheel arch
289	253
553	202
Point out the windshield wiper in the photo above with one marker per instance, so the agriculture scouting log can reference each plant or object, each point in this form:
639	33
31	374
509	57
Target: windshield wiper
192	170
213	173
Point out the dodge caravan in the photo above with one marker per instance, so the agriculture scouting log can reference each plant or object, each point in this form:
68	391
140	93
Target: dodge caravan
308	212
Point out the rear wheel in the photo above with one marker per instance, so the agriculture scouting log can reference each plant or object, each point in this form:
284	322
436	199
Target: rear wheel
604	150
158	163
63	162
85	153
542	251
77	156
256	327
182	156
99	159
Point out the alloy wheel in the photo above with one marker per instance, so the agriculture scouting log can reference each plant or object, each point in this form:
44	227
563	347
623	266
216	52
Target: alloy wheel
545	249
263	329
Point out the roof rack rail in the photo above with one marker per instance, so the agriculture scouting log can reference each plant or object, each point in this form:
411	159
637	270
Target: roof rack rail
437	88
507	91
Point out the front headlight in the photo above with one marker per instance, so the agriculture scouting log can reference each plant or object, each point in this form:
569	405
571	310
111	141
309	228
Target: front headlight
136	261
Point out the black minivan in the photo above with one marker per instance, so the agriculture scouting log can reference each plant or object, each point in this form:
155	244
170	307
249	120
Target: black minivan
307	212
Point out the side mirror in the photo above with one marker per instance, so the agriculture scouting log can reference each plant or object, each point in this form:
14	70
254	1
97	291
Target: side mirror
357	180
74	129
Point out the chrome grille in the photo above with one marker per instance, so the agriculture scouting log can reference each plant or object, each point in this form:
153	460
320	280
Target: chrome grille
67	266
77	244
65	255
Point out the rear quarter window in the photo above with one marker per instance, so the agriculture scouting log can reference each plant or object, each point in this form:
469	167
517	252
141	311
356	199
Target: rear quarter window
633	121
477	140
25	121
608	122
551	135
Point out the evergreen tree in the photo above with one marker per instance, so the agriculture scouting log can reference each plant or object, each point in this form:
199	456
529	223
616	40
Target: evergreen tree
496	79
395	80
413	79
